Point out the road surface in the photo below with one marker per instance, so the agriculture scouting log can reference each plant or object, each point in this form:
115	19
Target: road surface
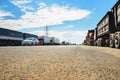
59	63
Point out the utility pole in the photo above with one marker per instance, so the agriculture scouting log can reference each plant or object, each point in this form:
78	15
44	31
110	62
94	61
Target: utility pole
46	30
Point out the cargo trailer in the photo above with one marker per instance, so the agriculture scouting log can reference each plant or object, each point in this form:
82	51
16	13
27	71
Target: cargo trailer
104	28
45	40
41	41
115	37
90	38
108	29
54	41
107	32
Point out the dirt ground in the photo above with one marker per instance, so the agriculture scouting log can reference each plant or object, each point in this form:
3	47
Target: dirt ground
59	63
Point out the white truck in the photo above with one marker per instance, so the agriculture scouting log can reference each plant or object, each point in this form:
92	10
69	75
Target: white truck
45	40
54	41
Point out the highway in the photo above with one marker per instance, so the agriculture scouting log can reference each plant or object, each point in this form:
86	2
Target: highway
72	62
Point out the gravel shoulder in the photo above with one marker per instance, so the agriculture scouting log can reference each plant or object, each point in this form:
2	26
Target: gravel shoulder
111	51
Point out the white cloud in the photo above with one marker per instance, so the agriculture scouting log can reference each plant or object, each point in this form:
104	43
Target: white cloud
70	36
46	15
71	26
3	14
21	4
42	5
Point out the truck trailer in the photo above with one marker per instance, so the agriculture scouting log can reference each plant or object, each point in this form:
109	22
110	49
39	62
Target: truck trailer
44	40
104	29
89	38
54	41
115	37
107	32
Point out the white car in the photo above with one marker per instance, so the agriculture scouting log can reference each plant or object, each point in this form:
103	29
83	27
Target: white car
30	41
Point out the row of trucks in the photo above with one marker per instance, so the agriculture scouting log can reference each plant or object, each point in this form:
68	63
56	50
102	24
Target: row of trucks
107	32
14	38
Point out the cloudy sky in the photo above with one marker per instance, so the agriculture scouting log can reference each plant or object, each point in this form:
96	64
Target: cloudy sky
68	20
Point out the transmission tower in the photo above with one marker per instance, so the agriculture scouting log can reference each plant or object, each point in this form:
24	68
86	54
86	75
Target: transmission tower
46	30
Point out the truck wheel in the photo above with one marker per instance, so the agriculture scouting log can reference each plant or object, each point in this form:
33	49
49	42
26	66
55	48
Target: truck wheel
117	42
112	43
106	43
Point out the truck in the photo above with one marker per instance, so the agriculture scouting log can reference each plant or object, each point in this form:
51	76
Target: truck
107	32
104	29
89	38
115	36
44	40
54	41
10	37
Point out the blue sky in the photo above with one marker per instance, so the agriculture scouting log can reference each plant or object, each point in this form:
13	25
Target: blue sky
68	20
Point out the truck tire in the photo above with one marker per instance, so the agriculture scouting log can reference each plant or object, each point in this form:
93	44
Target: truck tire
106	43
112	40
117	42
112	43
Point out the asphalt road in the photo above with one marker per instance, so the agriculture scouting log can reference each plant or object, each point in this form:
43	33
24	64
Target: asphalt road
59	63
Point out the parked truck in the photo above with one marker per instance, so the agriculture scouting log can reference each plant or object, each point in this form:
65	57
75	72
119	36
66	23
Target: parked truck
115	36
108	29
104	29
44	40
89	38
107	32
54	41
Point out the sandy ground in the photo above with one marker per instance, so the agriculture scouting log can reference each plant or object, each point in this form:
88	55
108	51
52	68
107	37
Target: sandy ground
59	63
112	51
